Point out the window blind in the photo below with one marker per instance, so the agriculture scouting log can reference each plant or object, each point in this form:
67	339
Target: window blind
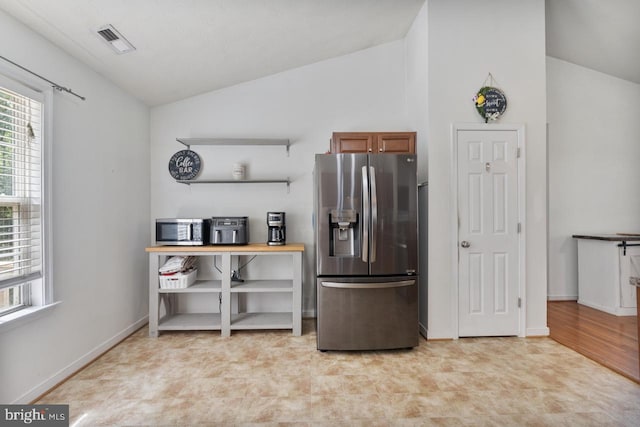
20	188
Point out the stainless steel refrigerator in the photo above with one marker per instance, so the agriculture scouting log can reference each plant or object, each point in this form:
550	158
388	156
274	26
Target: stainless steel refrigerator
366	251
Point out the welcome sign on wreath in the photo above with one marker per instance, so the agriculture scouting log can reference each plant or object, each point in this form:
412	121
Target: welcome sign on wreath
490	101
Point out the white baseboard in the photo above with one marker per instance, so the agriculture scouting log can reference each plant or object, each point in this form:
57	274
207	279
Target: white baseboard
616	311
440	336
537	332
562	297
75	366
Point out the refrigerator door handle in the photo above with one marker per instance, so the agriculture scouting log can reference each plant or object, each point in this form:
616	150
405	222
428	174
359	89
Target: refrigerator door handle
365	210
374	213
343	285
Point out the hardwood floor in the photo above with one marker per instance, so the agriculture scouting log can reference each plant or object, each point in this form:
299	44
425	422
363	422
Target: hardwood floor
607	339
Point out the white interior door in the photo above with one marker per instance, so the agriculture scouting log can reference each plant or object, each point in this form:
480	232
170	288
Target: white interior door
488	240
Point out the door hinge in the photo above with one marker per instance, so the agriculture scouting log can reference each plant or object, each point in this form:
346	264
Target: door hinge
519	227
518	152
519	302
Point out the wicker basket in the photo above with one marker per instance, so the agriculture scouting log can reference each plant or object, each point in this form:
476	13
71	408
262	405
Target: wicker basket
178	280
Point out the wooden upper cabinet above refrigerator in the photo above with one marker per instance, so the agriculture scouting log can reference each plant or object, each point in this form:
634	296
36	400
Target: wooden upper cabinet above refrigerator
373	142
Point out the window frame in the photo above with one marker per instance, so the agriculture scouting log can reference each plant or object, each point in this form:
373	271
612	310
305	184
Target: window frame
25	292
41	291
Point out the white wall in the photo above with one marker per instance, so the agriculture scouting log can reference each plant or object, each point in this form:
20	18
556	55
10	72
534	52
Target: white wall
416	59
100	223
360	91
467	39
593	164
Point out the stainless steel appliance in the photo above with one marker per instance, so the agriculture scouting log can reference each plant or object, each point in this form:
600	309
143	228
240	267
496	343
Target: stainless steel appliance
366	251
277	228
230	230
182	231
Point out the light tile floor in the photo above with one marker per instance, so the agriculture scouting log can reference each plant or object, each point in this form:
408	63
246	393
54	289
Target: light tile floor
274	378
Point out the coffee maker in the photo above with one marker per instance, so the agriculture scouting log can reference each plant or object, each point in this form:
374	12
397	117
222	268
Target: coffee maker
277	229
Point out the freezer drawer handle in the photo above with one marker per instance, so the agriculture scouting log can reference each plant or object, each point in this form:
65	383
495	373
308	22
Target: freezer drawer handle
343	285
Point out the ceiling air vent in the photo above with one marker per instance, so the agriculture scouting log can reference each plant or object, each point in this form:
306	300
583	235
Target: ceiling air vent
117	42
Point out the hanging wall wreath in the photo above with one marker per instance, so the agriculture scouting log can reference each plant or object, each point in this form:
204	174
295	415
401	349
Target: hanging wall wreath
490	101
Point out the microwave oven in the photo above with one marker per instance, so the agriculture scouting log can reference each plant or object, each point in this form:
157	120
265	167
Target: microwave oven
182	231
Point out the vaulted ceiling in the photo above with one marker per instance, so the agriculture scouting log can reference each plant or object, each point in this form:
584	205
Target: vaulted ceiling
597	34
188	47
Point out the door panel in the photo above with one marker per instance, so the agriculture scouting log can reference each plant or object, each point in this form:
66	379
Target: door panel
488	270
500	280
476	277
475	203
352	142
404	142
339	189
394	235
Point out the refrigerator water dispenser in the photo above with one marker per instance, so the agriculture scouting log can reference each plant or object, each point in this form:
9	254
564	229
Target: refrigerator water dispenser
345	239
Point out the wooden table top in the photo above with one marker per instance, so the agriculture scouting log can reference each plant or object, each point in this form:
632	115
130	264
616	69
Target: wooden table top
251	247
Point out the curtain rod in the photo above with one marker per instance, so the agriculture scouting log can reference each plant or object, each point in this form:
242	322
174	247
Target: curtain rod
55	85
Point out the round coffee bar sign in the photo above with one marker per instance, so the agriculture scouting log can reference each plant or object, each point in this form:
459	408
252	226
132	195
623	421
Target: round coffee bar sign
490	102
184	165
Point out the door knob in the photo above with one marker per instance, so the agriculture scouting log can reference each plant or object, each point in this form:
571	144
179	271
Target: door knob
465	244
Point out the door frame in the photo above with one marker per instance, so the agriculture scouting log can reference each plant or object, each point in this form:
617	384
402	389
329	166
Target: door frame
521	186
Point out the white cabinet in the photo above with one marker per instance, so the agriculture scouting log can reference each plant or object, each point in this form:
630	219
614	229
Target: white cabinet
603	273
226	316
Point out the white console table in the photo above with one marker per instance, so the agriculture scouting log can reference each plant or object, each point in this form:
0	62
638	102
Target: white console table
225	320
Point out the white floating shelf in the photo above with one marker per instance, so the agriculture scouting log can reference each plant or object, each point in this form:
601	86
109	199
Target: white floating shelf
231	181
235	141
